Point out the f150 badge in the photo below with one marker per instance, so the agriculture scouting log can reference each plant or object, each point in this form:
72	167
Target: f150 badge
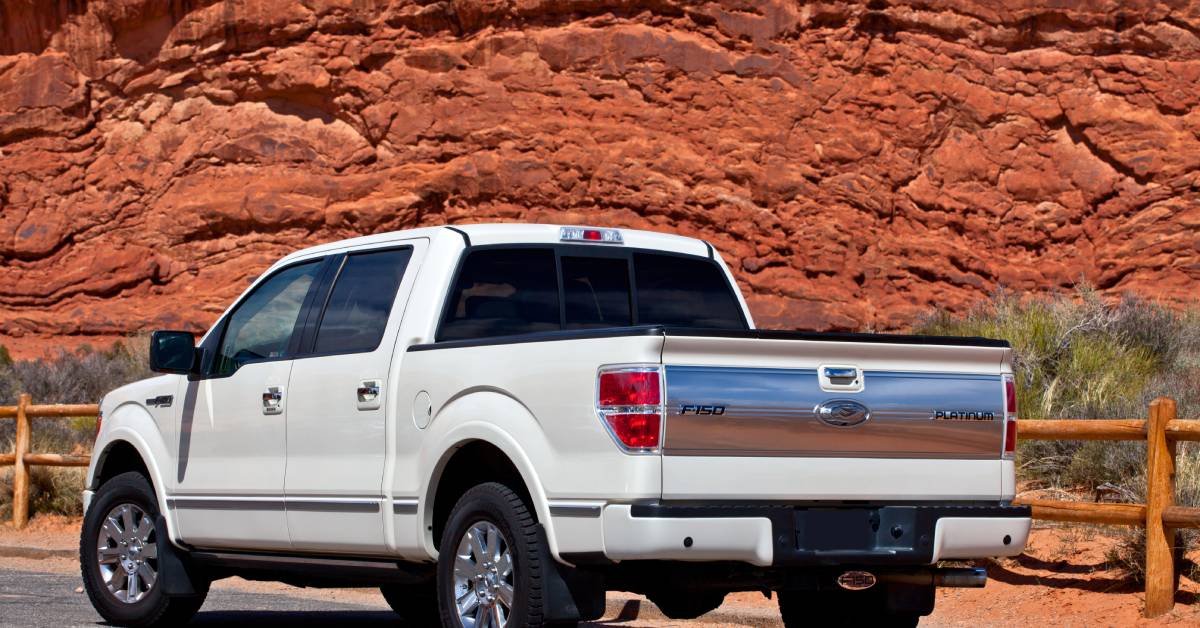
689	408
842	413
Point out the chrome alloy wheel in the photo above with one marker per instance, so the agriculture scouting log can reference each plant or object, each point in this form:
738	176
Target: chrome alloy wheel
127	553
483	577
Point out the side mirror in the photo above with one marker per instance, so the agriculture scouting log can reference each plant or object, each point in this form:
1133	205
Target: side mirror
172	352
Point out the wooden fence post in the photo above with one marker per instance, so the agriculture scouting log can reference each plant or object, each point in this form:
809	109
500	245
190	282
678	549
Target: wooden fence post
20	504
1160	495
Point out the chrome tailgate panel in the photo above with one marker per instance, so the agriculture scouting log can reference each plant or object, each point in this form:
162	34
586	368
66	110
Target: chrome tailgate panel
746	411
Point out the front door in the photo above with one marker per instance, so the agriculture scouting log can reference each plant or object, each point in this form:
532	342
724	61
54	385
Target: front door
233	431
337	412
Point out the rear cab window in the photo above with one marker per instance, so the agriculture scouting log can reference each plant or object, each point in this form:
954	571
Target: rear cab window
596	292
684	291
504	291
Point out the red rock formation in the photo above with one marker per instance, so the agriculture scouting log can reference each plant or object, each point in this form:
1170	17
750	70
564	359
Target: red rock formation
858	163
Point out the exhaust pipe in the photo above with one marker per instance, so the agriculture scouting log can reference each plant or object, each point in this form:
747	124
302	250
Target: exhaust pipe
950	577
966	577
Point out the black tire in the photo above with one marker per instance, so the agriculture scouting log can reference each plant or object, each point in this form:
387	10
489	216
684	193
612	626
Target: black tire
500	506
687	604
415	604
840	608
154	608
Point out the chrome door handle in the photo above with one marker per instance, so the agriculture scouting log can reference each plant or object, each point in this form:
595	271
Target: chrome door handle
369	391
833	373
273	400
368	394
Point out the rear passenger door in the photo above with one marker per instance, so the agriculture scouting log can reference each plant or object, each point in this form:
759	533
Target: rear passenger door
339	401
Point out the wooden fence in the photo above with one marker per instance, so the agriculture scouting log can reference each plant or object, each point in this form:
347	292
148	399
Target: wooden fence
21	458
1160	516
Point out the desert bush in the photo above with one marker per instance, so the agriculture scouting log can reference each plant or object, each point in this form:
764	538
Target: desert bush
1080	356
82	376
53	490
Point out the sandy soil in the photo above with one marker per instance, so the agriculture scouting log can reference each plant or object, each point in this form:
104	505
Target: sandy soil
1062	579
54	532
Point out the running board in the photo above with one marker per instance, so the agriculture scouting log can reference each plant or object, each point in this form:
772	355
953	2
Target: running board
312	570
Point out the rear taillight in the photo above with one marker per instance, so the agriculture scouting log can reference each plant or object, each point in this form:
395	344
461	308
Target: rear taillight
629	388
629	401
1010	416
99	422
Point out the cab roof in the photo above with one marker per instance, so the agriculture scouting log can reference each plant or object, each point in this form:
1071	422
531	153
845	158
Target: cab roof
511	233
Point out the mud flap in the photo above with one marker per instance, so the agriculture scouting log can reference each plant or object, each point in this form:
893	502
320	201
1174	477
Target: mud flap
175	572
571	594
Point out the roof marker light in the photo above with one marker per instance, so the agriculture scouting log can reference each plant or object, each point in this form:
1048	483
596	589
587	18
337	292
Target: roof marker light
585	234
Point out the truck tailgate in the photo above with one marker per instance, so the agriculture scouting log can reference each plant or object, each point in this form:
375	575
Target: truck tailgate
756	415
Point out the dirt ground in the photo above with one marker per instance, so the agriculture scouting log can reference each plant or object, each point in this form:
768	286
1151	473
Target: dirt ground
1062	579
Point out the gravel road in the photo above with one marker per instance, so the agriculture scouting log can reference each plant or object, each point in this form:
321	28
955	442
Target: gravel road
49	599
47	593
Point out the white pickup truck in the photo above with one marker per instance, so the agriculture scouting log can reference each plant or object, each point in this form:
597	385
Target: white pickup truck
496	424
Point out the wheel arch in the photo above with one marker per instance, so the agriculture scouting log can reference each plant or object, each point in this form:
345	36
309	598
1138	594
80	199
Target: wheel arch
474	460
131	441
119	456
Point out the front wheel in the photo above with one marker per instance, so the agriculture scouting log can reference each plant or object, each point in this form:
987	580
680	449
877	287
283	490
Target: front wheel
119	557
490	567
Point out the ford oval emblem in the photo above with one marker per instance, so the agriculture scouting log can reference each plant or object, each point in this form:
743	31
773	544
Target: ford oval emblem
842	413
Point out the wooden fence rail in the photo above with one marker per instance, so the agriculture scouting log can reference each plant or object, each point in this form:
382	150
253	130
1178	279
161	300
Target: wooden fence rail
21	458
1159	515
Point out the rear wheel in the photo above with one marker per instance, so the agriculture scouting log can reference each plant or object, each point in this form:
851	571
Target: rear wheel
687	604
490	570
119	557
841	608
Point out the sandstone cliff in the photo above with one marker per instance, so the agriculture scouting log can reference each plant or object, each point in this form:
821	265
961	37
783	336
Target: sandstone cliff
857	163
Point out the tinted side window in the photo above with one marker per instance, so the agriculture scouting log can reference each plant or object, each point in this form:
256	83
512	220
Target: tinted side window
596	292
686	292
362	297
261	326
500	292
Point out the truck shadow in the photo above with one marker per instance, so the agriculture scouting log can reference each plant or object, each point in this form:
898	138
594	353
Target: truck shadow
625	617
1083	577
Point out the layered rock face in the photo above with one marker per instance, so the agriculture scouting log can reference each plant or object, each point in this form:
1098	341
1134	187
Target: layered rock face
856	163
